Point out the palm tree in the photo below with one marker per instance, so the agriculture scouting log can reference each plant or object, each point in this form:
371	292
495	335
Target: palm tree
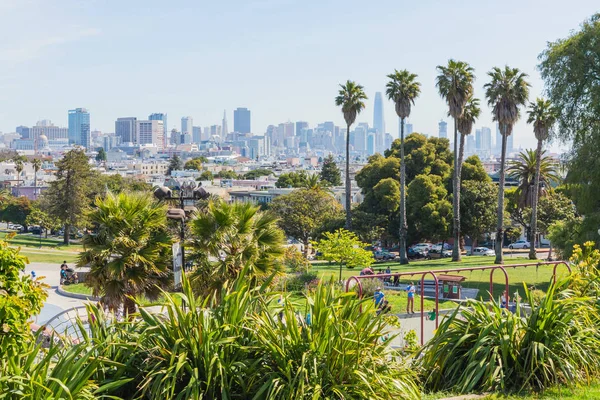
543	115
131	253
465	123
403	89
228	237
351	98
506	92
455	85
19	169
524	170
37	164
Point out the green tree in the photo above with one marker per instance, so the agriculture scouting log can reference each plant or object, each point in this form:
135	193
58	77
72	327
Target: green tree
67	197
130	255
293	180
351	97
42	219
478	202
543	117
344	248
227	174
206	176
403	88
19	168
175	164
471	112
506	92
21	298
37	165
330	173
16	210
302	212
193	164
101	156
524	170
226	238
428	208
473	170
455	85
257	173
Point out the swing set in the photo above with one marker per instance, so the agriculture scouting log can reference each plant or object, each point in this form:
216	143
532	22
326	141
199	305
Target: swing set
434	314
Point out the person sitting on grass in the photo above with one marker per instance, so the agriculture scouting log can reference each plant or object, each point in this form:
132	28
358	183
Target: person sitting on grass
367	271
410	304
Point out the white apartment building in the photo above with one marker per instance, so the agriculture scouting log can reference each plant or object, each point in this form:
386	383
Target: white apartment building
151	132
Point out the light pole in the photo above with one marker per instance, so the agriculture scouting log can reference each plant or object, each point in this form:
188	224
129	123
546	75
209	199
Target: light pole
186	191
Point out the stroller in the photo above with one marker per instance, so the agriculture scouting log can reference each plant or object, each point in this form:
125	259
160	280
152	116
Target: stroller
68	276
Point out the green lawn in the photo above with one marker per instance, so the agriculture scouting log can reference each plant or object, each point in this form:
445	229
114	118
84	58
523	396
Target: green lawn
591	392
532	276
29	240
49	257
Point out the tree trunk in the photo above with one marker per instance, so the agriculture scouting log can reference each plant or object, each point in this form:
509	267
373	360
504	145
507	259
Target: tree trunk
18	185
129	308
403	225
67	235
534	203
550	252
456	197
500	226
35	184
306	242
348	185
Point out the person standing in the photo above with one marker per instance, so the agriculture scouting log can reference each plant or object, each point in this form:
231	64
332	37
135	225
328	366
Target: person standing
410	305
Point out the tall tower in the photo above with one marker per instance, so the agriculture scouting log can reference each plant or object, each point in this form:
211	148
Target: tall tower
443	129
241	120
79	127
378	120
224	130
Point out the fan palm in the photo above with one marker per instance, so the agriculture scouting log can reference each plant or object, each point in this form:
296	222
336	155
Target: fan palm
455	85
465	123
506	92
228	237
403	88
19	168
524	170
351	97
131	253
37	164
543	115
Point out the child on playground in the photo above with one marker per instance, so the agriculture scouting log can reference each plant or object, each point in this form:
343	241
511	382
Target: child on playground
410	291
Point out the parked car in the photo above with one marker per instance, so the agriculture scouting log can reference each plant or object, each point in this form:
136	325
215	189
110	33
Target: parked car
489	245
519	244
422	246
35	230
544	242
483	251
438	246
414	253
16	227
384	255
437	253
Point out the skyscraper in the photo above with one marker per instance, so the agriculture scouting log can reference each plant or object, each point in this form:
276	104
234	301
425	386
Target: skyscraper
187	125
160	117
151	132
498	146
378	120
241	120
126	129
408	129
443	129
300	125
224	129
196	134
79	127
486	141
477	139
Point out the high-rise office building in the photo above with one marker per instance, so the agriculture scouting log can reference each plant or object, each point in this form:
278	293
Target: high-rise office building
408	129
126	129
151	132
161	117
43	127
196	134
371	141
477	139
187	125
378	120
443	129
300	126
498	144
241	120
470	145
79	127
224	128
510	144
486	140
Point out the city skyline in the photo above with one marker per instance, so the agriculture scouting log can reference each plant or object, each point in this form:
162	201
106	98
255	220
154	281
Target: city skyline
103	48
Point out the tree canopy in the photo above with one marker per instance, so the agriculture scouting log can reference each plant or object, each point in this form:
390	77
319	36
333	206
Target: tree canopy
330	173
344	248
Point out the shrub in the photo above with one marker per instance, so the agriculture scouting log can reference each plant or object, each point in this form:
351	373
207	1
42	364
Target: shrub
301	281
295	261
369	286
486	348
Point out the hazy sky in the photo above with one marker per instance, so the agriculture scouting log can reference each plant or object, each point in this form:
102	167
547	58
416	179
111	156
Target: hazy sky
282	59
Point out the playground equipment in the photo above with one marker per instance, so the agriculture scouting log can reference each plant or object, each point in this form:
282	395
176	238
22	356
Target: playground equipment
436	273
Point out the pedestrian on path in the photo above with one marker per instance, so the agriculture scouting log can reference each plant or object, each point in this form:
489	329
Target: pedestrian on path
410	304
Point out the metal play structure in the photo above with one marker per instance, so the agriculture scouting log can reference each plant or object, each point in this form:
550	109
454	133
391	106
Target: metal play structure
435	273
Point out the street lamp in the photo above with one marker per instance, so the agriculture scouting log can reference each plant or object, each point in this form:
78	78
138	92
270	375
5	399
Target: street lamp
187	192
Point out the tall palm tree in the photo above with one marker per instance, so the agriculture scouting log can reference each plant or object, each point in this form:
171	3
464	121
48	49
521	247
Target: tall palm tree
131	253
543	115
225	238
455	85
506	92
351	97
19	168
403	88
465	123
524	170
37	164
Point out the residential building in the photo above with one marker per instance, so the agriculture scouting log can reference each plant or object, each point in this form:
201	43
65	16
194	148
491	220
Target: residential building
79	127
241	120
126	129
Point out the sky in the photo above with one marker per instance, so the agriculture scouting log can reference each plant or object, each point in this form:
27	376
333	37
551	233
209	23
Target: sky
282	59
